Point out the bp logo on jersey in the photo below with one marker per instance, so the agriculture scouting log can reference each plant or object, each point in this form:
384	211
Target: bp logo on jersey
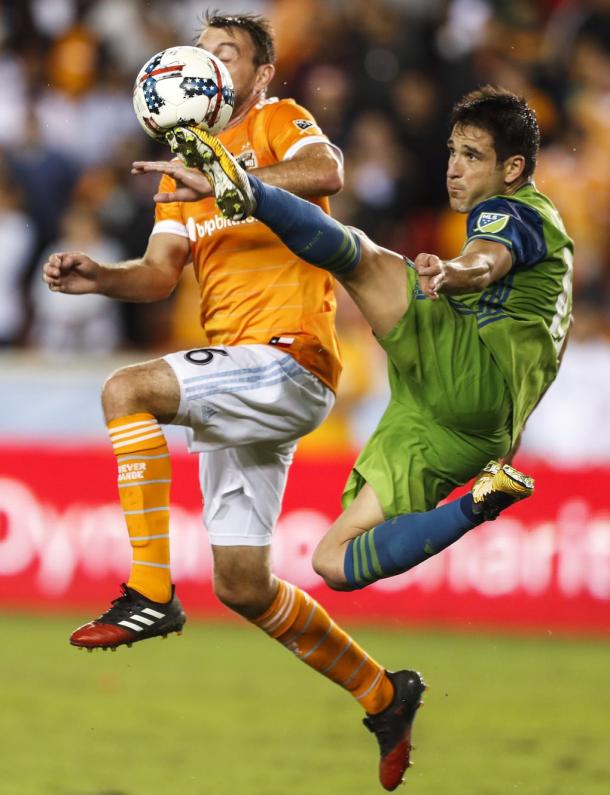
492	222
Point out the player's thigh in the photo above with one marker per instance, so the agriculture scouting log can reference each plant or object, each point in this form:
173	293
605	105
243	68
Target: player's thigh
412	462
440	366
378	286
246	394
242	489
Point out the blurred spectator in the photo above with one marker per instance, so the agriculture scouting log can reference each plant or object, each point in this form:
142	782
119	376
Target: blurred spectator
420	113
380	176
65	324
87	125
46	175
17	242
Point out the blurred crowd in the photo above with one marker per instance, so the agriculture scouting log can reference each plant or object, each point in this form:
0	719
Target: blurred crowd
379	75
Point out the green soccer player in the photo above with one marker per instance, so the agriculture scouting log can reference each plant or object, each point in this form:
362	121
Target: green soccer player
472	342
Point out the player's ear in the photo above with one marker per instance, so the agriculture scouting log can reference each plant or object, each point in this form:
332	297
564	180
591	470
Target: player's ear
264	75
513	168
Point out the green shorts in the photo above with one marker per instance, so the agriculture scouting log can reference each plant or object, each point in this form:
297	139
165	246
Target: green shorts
449	413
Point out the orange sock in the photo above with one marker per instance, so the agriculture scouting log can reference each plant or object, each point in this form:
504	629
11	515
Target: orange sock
144	481
303	626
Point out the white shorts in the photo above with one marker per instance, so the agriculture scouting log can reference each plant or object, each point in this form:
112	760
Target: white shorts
245	407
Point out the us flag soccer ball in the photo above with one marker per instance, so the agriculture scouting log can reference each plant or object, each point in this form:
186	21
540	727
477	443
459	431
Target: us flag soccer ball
180	86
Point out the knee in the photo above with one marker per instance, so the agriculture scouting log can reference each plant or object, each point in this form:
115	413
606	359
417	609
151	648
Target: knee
247	598
326	565
120	394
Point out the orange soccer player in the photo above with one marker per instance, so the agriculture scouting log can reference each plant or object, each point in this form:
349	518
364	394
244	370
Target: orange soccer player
266	375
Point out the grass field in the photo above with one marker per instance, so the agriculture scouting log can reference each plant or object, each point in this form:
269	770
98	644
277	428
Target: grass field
224	711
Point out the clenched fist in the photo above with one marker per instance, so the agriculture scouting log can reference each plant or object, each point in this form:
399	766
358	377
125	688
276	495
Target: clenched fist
71	272
431	272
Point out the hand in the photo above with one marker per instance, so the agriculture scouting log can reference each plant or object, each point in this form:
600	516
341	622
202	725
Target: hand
431	274
71	272
191	184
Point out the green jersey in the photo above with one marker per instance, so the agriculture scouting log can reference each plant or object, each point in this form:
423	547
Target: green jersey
524	317
466	371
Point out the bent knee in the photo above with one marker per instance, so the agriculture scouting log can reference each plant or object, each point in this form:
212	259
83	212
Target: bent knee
151	387
329	566
120	382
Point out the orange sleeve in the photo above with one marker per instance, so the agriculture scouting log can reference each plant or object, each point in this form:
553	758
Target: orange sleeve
167	211
290	126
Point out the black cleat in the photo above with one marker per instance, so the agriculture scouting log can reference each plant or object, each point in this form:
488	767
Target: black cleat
393	726
132	617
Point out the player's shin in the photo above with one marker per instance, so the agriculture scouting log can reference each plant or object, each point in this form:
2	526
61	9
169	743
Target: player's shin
144	477
305	229
302	625
400	543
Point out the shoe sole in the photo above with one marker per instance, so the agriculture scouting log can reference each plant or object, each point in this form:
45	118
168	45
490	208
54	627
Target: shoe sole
198	149
162	633
81	647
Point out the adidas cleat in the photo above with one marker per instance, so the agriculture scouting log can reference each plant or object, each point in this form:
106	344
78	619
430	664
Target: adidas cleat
132	617
393	727
198	149
497	487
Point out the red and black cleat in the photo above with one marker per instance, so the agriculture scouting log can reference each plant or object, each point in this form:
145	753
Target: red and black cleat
393	726
132	617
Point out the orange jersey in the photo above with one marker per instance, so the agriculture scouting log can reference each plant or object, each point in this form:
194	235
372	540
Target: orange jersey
252	288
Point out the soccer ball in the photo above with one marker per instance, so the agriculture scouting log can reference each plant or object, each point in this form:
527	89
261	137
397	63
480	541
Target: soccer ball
180	86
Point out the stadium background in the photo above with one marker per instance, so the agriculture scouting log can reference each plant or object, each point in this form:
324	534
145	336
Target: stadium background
380	76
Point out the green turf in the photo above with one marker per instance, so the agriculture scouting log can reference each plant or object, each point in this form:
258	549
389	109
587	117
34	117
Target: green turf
225	711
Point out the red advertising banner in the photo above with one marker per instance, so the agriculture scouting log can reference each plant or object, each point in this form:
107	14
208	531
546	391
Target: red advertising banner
544	565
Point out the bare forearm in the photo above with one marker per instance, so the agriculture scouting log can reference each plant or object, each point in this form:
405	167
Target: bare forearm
306	178
134	280
469	273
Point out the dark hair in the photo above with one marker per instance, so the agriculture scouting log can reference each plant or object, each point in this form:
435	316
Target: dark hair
507	117
257	27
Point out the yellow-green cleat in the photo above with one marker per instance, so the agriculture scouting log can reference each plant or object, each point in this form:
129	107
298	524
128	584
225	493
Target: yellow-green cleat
497	487
201	150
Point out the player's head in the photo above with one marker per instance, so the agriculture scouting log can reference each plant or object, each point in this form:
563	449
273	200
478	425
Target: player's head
493	146
245	44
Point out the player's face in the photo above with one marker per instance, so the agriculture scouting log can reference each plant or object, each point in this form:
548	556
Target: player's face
235	49
473	172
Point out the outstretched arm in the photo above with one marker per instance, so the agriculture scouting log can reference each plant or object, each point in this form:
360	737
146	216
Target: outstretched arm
482	263
315	170
150	278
